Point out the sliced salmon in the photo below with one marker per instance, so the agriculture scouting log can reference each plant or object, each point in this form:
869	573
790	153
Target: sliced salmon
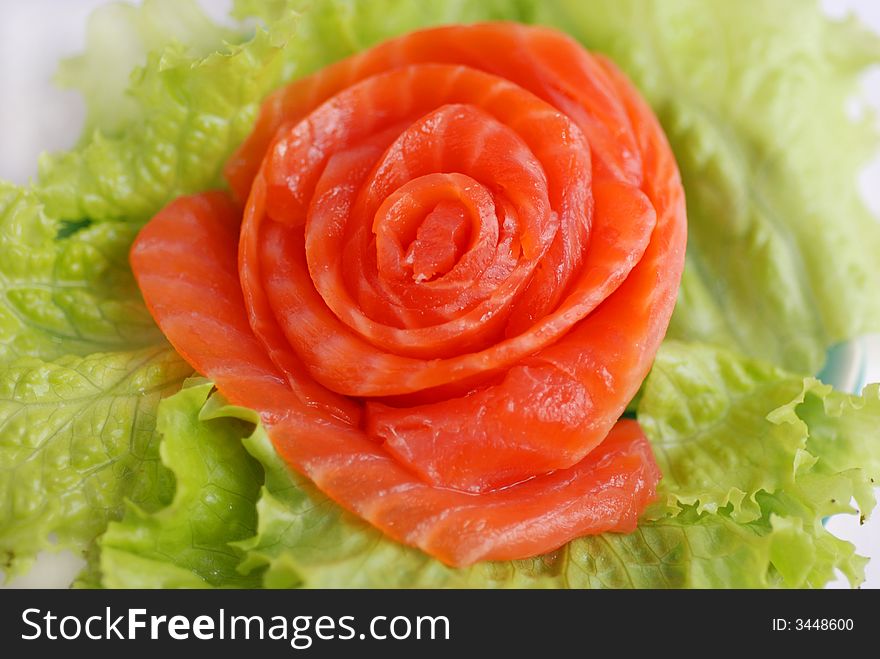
604	492
459	254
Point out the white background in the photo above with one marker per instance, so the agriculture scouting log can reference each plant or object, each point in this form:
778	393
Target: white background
35	116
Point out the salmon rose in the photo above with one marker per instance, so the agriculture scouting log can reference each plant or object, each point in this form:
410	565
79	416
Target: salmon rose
444	269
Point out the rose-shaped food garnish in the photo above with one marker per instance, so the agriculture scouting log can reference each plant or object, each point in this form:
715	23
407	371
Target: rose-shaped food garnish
458	255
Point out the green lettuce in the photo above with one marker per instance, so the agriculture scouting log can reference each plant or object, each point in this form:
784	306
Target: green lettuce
65	289
189	543
753	428
185	114
77	438
82	368
119	39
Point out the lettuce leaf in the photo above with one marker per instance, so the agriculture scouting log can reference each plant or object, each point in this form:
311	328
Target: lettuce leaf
187	544
77	438
752	428
752	97
699	536
119	37
65	295
82	368
185	115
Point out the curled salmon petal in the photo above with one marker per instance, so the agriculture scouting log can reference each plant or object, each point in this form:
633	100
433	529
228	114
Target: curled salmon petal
458	255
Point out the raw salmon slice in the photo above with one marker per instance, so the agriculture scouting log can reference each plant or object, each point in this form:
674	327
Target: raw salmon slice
458	256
